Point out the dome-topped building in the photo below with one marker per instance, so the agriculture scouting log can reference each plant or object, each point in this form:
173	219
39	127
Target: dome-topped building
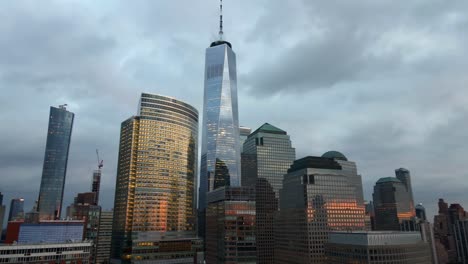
334	155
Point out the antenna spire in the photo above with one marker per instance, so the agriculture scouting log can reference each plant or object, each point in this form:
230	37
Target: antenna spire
221	20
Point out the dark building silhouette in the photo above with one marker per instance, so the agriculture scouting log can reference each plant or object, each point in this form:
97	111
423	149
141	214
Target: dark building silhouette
230	226
420	212
267	156
55	163
451	233
319	195
392	204
16	209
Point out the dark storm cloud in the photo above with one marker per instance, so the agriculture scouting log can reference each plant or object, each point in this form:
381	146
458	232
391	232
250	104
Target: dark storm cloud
339	43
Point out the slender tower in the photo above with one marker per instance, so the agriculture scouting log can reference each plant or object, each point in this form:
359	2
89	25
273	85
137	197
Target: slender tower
55	163
220	160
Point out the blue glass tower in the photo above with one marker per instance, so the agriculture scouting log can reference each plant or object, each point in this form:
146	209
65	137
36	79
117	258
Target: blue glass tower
220	160
16	209
55	163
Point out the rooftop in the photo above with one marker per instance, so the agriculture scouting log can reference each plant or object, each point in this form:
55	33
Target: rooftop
314	162
375	238
388	179
267	128
334	155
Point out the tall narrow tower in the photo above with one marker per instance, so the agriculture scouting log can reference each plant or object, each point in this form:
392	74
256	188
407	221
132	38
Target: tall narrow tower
55	163
220	160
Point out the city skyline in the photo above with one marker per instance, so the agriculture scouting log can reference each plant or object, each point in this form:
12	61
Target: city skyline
103	95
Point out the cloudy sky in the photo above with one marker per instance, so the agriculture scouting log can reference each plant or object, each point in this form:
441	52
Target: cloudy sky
384	82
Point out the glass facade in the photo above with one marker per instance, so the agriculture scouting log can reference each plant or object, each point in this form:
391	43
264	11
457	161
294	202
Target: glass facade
393	206
55	163
220	162
230	226
103	244
267	156
155	196
377	248
318	196
51	232
16	209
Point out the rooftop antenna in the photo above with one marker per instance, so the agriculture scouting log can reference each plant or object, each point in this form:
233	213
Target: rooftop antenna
221	20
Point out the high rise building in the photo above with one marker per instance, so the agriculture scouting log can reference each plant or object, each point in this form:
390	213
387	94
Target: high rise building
393	206
377	247
16	209
267	156
85	209
244	132
405	177
55	163
96	185
230	226
451	233
220	156
420	212
103	243
319	195
155	198
370	216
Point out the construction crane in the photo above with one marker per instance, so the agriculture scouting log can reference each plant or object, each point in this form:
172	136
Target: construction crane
100	162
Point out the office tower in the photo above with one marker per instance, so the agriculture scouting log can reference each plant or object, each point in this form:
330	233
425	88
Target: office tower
66	252
383	247
451	233
55	163
230	225
318	196
271	154
404	176
370	216
16	209
155	199
2	214
103	244
96	185
84	208
420	212
244	132
220	156
393	206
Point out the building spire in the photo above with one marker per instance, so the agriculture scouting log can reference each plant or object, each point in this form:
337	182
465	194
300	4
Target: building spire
221	20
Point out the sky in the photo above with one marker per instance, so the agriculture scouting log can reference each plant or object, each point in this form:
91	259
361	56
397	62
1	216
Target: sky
384	82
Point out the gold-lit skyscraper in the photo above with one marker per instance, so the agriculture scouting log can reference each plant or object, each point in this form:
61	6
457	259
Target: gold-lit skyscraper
155	198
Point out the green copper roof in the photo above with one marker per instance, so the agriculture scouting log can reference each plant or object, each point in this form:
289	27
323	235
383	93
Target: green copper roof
267	128
334	155
388	179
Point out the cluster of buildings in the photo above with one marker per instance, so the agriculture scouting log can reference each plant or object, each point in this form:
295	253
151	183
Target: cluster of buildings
250	201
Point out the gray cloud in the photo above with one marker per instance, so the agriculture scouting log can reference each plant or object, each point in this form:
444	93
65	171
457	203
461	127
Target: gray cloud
384	83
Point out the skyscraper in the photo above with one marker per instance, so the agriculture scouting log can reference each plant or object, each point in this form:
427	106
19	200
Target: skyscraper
271	154
16	209
220	160
55	163
96	185
421	212
244	132
103	244
451	233
155	198
405	177
319	195
393	206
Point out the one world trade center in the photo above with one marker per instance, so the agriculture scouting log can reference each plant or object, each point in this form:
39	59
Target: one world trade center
220	156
